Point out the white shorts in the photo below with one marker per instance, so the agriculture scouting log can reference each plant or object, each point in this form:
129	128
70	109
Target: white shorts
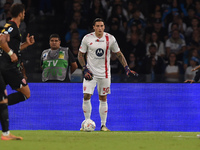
103	86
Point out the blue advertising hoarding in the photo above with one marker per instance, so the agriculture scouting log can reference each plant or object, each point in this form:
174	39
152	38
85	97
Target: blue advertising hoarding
132	107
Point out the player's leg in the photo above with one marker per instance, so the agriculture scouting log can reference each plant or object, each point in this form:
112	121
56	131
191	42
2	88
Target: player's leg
3	96
3	92
103	90
17	82
88	89
20	96
103	111
86	106
3	107
4	118
6	135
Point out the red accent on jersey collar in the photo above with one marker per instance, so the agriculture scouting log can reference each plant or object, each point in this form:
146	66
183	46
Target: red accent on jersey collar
14	22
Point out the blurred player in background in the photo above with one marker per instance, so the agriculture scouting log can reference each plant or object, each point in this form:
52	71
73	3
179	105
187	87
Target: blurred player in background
10	73
98	46
4	118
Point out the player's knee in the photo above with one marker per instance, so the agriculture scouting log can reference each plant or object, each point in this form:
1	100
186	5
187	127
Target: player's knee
103	97
27	95
25	91
87	96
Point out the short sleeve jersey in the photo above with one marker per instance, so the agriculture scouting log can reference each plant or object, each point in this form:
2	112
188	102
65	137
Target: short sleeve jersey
98	53
15	39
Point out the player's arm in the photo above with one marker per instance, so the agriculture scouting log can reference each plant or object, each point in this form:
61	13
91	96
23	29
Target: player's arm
87	73
81	58
122	60
29	41
4	45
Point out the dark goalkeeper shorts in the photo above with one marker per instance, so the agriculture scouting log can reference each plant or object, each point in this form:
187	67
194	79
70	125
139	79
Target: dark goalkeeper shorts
13	77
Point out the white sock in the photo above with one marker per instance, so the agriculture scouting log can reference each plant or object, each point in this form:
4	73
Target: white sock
103	110
87	108
6	133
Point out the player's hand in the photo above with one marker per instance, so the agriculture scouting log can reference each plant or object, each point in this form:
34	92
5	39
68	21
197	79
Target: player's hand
130	72
30	39
13	57
189	81
87	73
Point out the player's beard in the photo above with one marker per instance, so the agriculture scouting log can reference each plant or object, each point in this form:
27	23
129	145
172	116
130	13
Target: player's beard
22	18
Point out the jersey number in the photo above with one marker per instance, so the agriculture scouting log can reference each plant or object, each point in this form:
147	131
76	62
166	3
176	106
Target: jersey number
106	90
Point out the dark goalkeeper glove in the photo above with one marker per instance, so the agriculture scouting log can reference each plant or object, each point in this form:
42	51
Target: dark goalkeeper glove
87	73
130	72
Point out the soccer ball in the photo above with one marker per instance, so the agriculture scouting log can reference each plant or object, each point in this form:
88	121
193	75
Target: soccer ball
88	125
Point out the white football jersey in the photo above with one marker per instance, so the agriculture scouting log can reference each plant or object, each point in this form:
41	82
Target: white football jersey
98	53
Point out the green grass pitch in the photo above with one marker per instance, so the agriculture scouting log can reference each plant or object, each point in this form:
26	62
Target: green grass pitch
114	140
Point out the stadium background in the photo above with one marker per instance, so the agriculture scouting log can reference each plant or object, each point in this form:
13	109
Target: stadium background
132	107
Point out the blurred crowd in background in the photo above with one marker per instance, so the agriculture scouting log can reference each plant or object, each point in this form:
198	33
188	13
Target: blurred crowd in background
159	38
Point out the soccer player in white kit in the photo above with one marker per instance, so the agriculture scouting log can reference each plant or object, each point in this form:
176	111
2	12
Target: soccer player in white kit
98	45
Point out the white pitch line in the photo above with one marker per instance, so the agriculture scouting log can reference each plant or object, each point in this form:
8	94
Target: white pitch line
185	136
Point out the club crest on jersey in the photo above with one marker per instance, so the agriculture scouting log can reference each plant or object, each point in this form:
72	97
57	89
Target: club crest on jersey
10	29
99	52
61	55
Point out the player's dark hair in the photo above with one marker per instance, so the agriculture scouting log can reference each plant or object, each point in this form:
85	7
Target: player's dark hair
54	36
16	9
98	20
